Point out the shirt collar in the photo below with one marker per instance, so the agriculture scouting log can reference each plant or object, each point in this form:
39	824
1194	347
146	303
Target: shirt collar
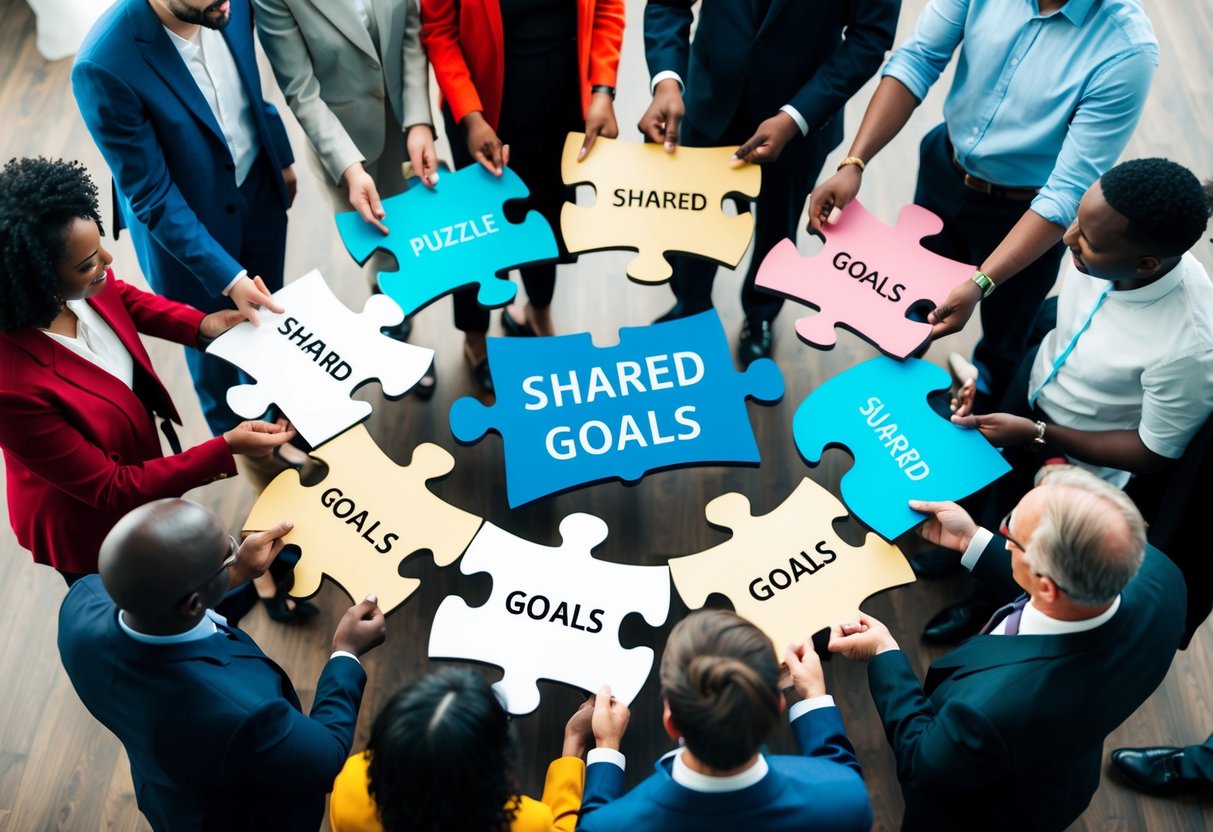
1036	623
206	627
1076	11
684	776
1157	289
187	48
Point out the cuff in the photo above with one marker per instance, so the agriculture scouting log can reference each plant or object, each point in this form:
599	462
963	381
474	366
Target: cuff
337	653
796	117
981	539
228	289
606	755
805	705
661	76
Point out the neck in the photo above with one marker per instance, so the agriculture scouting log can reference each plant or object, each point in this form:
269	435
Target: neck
64	323
695	764
1141	282
172	22
1050	6
152	627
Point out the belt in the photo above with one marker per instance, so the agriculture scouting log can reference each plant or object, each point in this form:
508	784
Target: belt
990	189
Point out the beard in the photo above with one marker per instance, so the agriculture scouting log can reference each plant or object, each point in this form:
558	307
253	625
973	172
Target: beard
211	17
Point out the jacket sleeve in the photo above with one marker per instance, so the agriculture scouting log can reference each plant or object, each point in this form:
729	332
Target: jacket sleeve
667	36
603	783
416	83
993	572
819	733
562	791
160	317
440	34
606	42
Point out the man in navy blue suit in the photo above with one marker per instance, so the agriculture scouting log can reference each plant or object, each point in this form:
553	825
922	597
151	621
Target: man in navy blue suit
170	92
212	726
771	76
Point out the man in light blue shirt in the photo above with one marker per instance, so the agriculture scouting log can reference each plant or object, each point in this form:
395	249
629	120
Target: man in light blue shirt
1045	97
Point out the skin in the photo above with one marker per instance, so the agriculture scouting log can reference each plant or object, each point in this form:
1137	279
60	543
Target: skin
364	196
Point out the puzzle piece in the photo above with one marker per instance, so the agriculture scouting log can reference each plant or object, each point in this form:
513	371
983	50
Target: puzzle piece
367	516
572	413
554	613
452	236
866	278
903	449
311	357
788	571
657	203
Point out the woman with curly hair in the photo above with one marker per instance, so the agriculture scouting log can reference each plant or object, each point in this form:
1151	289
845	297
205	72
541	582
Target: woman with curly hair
441	758
78	395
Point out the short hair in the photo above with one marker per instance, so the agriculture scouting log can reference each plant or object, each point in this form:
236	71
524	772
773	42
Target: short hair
442	757
720	679
39	198
1090	538
1166	205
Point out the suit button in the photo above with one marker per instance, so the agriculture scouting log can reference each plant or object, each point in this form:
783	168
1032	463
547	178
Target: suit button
231	209
377	94
374	65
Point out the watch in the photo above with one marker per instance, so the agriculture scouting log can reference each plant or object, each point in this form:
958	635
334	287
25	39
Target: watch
984	283
609	90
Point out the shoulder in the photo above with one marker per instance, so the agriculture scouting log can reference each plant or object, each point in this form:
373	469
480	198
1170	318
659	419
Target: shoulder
826	794
83	614
1128	20
111	28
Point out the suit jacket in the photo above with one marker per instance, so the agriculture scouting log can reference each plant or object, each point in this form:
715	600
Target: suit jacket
81	449
821	790
213	728
332	76
1008	731
173	172
465	42
794	54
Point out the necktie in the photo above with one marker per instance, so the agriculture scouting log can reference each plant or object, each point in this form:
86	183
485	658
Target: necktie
1012	613
1061	359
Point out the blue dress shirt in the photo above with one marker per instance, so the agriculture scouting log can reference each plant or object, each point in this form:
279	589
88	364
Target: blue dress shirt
1038	101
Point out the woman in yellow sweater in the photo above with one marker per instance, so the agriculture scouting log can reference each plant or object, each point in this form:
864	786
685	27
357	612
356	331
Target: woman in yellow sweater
440	758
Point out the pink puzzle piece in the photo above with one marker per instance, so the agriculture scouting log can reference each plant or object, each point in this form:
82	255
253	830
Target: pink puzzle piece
866	278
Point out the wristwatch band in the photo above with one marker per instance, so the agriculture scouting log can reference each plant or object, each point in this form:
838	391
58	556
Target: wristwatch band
609	90
984	283
852	160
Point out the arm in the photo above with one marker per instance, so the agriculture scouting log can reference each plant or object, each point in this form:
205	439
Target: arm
440	34
820	733
562	791
160	317
667	36
416	87
606	41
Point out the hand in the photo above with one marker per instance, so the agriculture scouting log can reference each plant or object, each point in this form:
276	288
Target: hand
861	640
484	145
249	294
364	196
832	195
579	731
257	552
948	525
258	438
361	629
804	667
952	315
610	719
292	184
962	404
1001	429
768	140
424	158
217	323
599	121
662	119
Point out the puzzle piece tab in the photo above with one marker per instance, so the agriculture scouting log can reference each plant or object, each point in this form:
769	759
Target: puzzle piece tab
572	413
788	571
554	613
452	236
866	278
367	516
312	356
657	203
903	449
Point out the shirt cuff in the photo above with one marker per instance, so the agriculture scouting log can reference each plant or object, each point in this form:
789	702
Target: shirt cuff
337	653
805	705
981	539
796	117
606	755
228	290
661	76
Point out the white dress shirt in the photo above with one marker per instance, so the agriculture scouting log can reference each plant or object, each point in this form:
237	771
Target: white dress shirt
97	342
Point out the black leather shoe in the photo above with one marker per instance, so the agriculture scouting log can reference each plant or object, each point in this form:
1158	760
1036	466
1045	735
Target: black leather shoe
935	562
757	337
1153	770
672	314
954	624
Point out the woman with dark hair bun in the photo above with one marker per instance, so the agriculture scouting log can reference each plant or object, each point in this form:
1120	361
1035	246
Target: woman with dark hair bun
720	683
441	759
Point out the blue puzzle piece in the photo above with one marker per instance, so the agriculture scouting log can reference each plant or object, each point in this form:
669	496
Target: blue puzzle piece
572	413
453	236
903	449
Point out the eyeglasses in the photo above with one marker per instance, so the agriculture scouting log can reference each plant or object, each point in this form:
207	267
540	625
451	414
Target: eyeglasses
1004	529
233	551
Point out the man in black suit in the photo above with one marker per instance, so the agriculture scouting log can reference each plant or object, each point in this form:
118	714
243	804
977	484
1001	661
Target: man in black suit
771	76
1007	731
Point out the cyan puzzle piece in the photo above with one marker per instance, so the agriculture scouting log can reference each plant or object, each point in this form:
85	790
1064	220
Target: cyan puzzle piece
866	278
903	449
572	413
554	613
452	236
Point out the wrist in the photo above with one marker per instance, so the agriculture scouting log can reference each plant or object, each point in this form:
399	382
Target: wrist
853	162
984	283
668	86
473	118
603	89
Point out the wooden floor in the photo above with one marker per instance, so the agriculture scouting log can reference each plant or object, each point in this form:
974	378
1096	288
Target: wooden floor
59	770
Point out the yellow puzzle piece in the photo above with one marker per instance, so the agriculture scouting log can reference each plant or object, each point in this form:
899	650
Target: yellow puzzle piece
657	203
788	571
367	516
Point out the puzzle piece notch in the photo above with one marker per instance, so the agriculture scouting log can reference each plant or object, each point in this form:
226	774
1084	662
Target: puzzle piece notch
554	613
311	357
681	199
903	449
452	236
365	518
866	278
788	571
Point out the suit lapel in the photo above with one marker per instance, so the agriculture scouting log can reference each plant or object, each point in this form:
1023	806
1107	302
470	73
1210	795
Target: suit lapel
103	305
773	12
341	14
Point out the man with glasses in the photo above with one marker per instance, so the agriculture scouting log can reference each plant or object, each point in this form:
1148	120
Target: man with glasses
213	727
1007	730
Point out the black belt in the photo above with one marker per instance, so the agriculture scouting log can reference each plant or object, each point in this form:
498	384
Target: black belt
990	189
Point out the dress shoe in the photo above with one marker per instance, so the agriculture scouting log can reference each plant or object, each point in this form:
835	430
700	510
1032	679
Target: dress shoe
1154	770
954	624
935	562
757	337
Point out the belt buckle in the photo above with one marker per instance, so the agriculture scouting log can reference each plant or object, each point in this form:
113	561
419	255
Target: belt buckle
979	185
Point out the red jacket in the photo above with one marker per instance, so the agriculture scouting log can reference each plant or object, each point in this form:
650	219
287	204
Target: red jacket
463	39
80	448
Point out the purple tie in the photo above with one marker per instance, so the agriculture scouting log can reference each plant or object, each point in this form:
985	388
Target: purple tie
1012	613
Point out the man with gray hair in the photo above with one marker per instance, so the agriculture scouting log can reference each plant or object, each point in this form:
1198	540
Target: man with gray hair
1007	731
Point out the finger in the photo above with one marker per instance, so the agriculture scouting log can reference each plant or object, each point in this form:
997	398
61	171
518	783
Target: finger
498	164
653	128
966	421
743	153
671	132
249	310
931	507
791	658
480	157
505	155
819	209
591	134
267	299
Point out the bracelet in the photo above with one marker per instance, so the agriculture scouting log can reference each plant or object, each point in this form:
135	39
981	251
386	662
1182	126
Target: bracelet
1039	438
984	283
852	160
609	90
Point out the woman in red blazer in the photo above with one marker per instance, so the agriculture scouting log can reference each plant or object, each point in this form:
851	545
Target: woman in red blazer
78	395
517	76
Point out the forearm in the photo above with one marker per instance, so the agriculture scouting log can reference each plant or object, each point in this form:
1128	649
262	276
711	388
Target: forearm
1031	237
1121	449
888	111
